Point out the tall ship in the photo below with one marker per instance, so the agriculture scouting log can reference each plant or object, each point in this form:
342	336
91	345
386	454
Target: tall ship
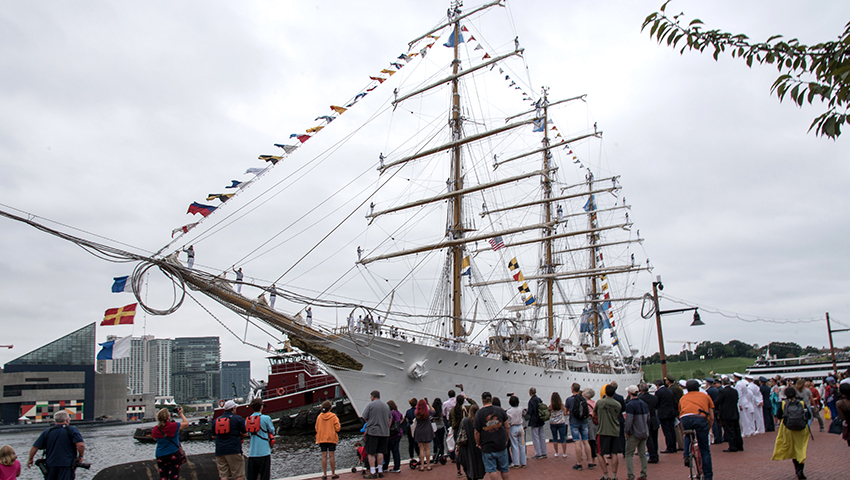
481	242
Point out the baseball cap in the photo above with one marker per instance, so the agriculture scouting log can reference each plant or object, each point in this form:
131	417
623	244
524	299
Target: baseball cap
229	405
633	389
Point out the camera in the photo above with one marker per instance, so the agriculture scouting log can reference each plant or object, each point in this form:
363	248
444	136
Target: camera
79	464
41	463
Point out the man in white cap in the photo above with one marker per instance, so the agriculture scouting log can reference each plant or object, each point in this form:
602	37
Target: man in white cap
758	403
637	431
745	406
228	431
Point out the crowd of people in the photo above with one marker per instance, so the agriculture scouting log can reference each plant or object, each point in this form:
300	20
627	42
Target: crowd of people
486	440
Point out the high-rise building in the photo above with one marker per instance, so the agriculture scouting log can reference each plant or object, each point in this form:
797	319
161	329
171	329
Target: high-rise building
235	379
148	367
159	356
196	369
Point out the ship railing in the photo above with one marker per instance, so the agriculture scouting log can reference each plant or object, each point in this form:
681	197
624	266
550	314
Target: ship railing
391	331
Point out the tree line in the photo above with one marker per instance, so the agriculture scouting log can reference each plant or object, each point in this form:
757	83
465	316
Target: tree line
735	348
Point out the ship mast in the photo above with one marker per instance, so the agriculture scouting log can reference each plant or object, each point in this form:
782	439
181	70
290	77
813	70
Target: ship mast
548	260
455	179
595	333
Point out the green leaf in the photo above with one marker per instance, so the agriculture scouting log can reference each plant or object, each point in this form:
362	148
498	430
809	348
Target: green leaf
769	58
654	28
750	60
788	63
664	6
695	21
794	92
649	18
773	38
716	53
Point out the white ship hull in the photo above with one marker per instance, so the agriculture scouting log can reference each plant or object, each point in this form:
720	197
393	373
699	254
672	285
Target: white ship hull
387	365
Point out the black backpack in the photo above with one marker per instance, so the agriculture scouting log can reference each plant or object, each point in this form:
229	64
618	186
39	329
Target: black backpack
395	428
794	416
579	410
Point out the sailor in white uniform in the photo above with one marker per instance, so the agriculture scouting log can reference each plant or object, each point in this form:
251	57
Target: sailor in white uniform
758	401
745	408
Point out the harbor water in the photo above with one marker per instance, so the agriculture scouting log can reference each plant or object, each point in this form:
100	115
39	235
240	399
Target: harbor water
112	445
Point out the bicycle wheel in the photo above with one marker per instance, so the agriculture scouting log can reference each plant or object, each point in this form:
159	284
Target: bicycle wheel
696	463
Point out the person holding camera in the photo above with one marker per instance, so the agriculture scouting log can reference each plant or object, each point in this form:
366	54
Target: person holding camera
63	446
166	434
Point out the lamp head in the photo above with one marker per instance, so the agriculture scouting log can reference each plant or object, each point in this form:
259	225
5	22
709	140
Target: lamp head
697	322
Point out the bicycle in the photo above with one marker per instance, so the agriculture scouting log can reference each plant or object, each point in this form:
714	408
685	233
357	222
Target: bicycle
694	459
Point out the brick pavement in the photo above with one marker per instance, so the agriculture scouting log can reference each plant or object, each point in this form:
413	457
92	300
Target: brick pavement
828	459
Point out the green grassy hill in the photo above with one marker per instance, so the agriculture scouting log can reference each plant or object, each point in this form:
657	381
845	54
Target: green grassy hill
693	368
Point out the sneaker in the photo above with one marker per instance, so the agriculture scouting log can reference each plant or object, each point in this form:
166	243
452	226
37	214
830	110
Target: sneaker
395	470
556	454
370	476
380	474
577	467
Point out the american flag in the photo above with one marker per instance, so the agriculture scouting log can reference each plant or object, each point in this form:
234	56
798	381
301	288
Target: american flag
496	243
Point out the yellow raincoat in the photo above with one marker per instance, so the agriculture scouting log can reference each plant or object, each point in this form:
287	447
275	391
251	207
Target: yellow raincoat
790	444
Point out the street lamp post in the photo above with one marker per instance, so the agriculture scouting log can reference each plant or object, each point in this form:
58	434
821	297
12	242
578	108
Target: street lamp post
831	346
656	286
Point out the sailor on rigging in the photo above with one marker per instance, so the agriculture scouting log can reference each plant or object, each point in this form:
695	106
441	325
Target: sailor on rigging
359	252
239	277
190	253
272	297
381	157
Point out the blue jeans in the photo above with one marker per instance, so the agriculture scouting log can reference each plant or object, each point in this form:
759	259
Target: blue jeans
559	432
699	425
517	445
579	431
496	461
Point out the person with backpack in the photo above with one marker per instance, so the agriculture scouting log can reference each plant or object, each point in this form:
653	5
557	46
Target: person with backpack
261	429
396	432
538	414
637	431
63	446
166	434
228	432
327	436
579	413
792	439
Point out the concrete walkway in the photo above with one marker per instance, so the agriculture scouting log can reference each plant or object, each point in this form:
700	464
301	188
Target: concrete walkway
828	459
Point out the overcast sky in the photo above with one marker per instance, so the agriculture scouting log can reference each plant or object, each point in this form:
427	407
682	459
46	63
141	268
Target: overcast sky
117	116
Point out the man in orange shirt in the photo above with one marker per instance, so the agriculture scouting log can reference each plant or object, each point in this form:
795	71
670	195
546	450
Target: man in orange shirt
696	412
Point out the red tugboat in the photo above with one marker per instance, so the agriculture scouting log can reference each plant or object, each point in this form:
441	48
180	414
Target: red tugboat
295	389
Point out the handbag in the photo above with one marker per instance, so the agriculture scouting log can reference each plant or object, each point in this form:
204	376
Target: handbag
462	439
836	426
450	439
181	454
